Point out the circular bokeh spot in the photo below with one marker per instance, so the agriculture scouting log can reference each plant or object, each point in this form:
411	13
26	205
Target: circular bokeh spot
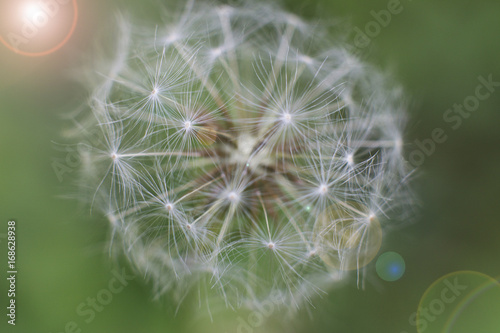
348	237
390	266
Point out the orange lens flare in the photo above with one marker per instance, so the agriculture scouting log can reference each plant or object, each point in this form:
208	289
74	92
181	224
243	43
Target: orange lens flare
38	10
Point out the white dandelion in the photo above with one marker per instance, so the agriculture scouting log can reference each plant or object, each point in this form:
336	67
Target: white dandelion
240	149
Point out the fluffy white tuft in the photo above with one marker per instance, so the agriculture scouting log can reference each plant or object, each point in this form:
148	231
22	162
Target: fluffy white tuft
230	145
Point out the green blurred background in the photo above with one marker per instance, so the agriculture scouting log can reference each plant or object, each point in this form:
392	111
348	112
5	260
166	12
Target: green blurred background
437	50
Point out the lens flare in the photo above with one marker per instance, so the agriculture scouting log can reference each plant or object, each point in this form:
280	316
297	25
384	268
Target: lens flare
390	266
39	28
460	302
30	10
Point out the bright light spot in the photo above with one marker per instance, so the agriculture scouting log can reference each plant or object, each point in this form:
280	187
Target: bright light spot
169	207
233	196
32	9
188	125
271	245
323	189
173	37
114	156
217	52
371	217
350	159
287	117
390	266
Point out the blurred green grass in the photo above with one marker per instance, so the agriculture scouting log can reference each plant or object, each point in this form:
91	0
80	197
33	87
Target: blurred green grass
436	50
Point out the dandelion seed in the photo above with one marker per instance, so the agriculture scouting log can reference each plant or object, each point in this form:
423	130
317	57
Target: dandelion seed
233	196
350	159
323	189
287	118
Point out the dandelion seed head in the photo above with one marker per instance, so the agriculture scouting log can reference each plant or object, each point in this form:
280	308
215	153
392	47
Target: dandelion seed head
234	153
